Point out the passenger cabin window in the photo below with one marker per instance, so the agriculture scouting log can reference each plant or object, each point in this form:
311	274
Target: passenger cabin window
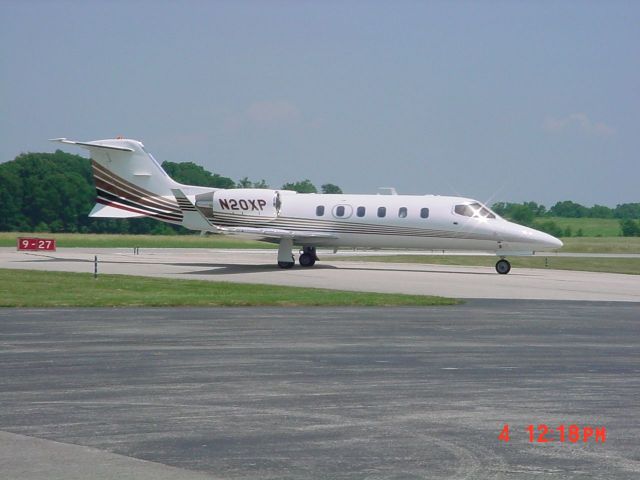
474	210
340	211
402	212
424	213
360	211
320	210
382	212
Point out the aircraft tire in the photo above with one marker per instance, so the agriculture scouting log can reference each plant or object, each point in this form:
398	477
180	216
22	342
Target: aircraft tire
285	264
503	267
306	260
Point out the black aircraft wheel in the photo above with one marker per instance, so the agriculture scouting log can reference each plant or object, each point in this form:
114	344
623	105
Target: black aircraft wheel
307	260
285	264
503	267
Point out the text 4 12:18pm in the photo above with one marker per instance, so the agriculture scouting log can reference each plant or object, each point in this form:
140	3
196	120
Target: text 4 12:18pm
562	433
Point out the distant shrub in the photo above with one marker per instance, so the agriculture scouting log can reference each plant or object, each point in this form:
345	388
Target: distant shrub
550	227
630	228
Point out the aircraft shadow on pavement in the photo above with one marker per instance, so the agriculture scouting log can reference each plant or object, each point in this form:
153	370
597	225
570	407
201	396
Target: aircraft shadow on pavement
227	269
411	270
231	268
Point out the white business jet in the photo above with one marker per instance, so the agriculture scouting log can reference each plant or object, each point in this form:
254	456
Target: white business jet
131	183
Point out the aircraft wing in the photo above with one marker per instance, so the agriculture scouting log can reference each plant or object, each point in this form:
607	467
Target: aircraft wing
275	233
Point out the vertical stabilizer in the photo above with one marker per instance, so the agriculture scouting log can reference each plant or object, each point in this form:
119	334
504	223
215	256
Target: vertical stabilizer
128	178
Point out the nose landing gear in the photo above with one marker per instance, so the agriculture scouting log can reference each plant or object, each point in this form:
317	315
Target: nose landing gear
503	266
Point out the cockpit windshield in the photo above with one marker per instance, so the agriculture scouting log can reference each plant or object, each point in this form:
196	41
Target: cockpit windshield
474	210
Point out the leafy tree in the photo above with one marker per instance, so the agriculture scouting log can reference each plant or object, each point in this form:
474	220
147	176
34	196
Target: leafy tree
41	188
330	188
500	208
630	228
10	201
246	183
627	210
568	209
550	227
522	213
304	186
192	174
537	209
600	211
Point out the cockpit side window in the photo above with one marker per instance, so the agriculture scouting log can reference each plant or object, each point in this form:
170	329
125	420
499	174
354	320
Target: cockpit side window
485	212
474	210
465	210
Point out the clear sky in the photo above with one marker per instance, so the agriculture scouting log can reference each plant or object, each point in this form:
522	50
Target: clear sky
495	100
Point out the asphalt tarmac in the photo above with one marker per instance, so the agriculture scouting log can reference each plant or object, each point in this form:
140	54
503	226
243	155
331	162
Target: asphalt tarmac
321	393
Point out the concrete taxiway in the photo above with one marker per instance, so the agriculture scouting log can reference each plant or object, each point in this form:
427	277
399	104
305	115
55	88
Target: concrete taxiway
258	266
320	393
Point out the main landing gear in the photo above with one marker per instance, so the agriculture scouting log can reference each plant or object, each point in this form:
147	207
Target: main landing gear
503	266
285	257
307	258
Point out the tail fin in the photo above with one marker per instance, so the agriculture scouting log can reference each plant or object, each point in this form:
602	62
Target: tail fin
130	180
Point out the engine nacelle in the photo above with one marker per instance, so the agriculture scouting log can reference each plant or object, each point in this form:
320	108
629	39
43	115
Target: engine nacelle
255	202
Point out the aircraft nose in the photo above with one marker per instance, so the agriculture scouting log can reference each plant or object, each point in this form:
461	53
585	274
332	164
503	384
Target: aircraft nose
548	241
534	239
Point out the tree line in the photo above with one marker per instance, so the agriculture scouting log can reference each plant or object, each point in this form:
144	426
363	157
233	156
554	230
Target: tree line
54	192
536	215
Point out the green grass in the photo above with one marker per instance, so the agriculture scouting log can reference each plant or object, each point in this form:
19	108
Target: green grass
87	240
34	289
591	227
8	239
610	265
601	245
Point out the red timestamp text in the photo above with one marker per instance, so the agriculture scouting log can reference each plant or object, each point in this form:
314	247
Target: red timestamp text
542	433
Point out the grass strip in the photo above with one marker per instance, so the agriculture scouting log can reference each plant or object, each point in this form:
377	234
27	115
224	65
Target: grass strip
591	227
88	240
608	265
601	245
34	289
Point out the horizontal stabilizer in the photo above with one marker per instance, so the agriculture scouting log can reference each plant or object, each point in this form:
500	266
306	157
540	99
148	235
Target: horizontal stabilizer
105	211
91	145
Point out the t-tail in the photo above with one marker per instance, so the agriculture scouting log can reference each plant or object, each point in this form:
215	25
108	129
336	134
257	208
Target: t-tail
130	183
